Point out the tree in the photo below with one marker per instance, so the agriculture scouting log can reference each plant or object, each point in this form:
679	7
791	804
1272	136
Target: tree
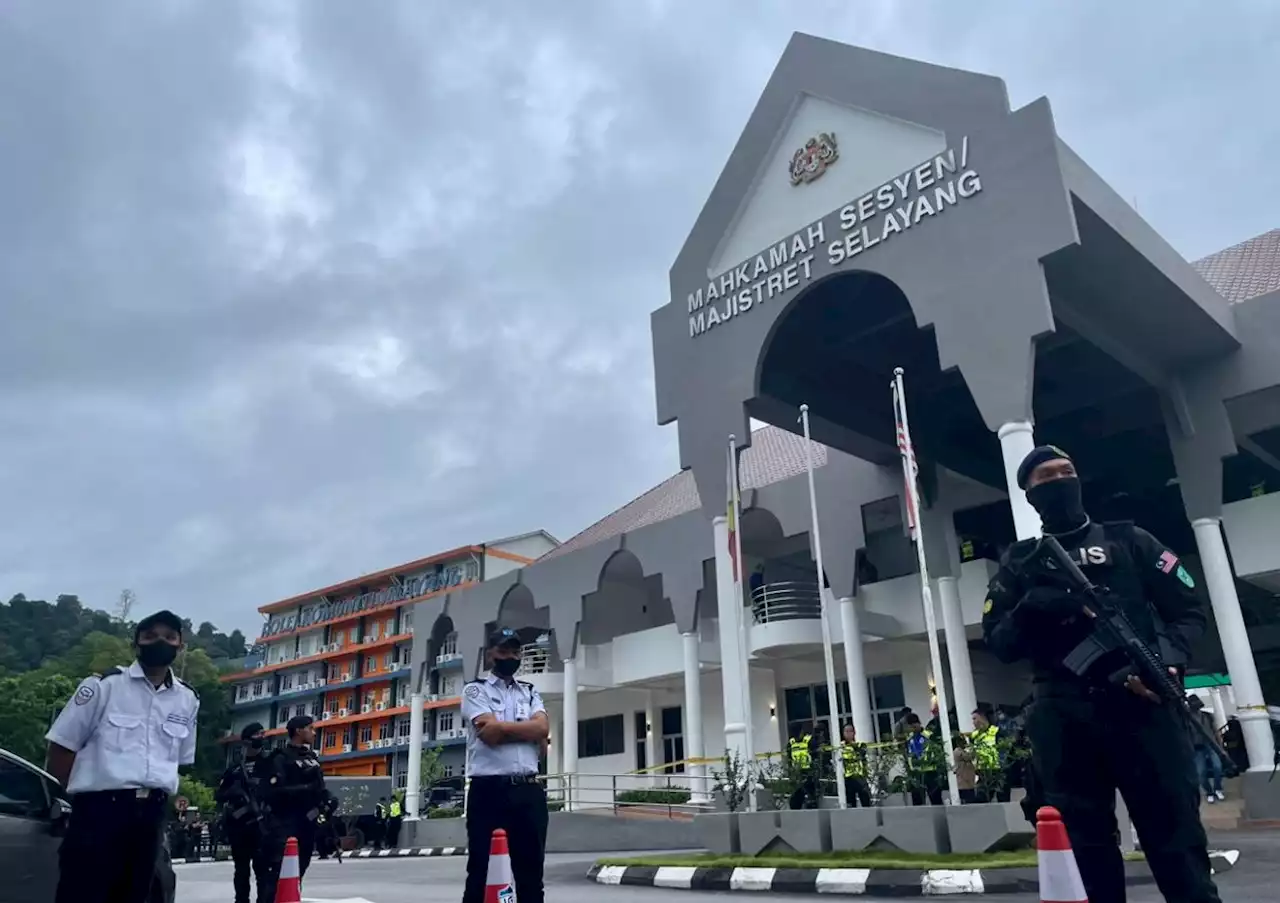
125	605
199	795
30	703
432	770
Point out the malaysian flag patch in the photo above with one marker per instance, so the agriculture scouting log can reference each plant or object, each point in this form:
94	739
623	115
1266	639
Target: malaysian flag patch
1168	561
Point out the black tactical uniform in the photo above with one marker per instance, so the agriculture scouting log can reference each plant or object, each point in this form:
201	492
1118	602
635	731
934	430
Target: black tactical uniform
1090	737
293	789
239	794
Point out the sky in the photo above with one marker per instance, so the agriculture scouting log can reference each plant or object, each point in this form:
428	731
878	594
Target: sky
296	291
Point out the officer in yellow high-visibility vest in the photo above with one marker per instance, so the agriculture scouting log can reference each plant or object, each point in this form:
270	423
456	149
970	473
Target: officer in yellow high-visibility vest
395	816
854	756
801	751
986	754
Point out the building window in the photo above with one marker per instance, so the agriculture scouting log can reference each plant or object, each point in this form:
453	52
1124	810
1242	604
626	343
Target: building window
450	645
259	687
286	682
384	730
242	692
448	770
406	620
330	739
317	707
333	706
370	664
402	780
887	699
368	700
389	627
808	704
388	661
444	721
366	733
404	728
673	739
642	742
449	686
601	737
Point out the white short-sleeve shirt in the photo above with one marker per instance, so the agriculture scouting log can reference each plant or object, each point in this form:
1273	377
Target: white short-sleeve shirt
515	701
127	733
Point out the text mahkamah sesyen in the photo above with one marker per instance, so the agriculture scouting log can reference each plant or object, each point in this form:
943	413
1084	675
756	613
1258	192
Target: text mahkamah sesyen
878	215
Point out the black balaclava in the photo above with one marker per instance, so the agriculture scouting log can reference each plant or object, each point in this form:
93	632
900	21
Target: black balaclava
1058	502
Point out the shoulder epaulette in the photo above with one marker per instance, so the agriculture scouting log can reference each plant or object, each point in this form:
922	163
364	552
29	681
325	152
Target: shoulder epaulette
182	683
109	673
478	680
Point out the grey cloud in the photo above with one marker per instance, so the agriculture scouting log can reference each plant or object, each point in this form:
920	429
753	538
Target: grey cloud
295	291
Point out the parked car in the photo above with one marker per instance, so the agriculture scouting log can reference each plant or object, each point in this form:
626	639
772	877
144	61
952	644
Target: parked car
33	817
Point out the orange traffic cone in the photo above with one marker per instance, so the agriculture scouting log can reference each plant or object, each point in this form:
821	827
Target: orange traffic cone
289	885
1059	876
497	887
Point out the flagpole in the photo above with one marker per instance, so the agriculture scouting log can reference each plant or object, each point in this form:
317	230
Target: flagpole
745	667
828	654
926	594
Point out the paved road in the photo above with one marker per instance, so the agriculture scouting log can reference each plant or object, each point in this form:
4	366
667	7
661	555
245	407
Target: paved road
1254	880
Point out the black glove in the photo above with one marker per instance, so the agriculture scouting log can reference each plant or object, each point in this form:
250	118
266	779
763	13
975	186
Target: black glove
1050	602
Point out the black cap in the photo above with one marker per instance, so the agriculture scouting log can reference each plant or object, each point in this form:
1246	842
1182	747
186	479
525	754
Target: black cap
297	723
504	636
163	618
1035	458
251	729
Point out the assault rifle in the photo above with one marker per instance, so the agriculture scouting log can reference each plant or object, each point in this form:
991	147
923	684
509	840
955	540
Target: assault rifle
1113	634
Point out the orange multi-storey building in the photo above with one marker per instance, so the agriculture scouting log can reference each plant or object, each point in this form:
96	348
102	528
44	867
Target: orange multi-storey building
342	655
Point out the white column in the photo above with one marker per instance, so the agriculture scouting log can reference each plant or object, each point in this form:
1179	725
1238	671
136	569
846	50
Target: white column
1016	442
569	741
1219	708
652	739
1235	643
855	670
413	788
963	693
693	715
735	695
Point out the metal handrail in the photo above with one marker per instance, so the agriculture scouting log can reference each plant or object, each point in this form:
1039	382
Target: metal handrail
535	658
586	790
790	600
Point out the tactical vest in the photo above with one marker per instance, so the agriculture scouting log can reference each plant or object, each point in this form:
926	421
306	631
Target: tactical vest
800	756
395	808
985	749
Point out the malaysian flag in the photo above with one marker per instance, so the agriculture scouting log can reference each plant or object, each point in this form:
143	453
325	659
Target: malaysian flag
1168	561
910	472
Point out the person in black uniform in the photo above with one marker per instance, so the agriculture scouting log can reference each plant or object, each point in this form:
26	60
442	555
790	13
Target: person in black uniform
293	789
239	795
1090	737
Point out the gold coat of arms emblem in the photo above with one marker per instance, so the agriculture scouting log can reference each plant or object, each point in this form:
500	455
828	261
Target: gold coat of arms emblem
811	161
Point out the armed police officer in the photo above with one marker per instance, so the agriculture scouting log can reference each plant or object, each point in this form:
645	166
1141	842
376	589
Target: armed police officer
116	747
507	732
293	788
239	793
1089	735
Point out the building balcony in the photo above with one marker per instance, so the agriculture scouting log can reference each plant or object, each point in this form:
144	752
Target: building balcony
449	660
786	619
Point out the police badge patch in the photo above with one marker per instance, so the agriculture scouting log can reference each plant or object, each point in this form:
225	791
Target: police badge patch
83	695
473	692
987	606
1186	578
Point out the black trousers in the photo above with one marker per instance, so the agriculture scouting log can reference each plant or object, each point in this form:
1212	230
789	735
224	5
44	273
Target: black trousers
112	847
1088	744
276	834
805	796
393	833
520	809
856	792
247	852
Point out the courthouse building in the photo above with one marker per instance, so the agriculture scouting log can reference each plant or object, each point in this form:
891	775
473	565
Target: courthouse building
876	213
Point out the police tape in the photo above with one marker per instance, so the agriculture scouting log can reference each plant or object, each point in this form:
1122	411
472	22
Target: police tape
763	757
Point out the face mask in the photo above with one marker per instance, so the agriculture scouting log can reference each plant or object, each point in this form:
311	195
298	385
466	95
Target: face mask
506	667
157	655
1058	503
255	743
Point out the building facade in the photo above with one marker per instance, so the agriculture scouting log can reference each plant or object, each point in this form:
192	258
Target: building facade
879	213
342	655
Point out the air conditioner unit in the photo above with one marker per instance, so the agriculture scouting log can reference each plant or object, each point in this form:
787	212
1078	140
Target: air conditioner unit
434	697
402	741
342	713
380	706
346	747
371	639
346	675
326	715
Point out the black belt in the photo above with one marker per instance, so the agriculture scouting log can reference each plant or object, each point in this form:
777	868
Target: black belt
138	795
505	779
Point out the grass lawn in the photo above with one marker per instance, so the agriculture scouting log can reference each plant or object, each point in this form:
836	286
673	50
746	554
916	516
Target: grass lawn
871	859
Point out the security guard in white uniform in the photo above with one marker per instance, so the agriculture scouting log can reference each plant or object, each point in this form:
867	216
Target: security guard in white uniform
116	748
507	732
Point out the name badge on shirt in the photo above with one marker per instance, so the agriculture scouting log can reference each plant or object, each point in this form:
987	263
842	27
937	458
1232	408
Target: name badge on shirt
522	711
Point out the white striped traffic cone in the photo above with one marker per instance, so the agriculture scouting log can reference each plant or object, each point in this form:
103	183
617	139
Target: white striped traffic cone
1059	876
498	887
289	884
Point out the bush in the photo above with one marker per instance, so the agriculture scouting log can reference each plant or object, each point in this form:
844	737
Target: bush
444	812
666	796
555	806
